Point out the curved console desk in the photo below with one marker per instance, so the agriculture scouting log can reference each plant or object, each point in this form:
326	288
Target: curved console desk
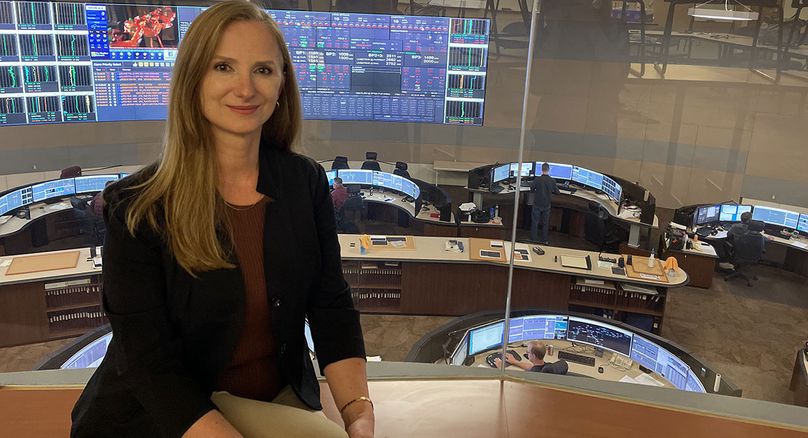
417	276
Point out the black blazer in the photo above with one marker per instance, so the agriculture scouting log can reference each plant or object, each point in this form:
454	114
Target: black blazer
173	333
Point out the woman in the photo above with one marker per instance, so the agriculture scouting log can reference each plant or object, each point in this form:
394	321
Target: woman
215	255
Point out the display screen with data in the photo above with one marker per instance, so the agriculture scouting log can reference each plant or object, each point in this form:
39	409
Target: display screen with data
53	189
527	169
557	170
599	335
587	177
500	173
376	178
83	62
707	214
664	363
532	327
483	338
733	212
802	224
776	216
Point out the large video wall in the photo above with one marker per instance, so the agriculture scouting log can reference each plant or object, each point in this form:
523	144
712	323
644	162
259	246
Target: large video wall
84	62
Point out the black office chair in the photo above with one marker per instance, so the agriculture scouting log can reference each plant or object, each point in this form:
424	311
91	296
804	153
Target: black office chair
561	367
747	250
370	162
401	169
70	172
340	162
351	214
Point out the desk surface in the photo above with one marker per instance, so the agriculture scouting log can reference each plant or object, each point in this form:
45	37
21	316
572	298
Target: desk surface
610	372
12	224
427	249
397	200
432	249
628	215
705	250
799	243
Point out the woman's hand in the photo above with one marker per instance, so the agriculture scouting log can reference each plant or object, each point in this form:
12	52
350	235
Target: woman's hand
359	420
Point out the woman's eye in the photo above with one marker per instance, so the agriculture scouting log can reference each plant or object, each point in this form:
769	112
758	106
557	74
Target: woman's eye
221	67
263	70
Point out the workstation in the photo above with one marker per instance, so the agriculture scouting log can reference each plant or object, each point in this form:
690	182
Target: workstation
582	192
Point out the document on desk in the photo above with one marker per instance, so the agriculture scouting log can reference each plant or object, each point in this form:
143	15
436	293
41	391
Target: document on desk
800	245
643	379
5	263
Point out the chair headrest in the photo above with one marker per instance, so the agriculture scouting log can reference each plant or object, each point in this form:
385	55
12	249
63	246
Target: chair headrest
756	226
401	165
70	172
371	155
341	158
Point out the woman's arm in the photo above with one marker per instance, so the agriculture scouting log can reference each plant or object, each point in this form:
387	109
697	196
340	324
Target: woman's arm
348	381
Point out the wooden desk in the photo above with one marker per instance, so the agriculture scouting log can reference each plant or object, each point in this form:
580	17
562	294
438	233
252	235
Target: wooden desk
699	264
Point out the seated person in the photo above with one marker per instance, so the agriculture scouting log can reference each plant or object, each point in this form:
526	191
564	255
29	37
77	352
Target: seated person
724	250
339	194
535	355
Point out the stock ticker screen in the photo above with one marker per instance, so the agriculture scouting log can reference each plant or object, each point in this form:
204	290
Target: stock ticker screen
84	62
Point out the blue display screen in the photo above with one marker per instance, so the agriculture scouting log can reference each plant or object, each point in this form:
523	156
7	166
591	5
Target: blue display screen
364	177
599	334
501	173
527	169
558	171
114	62
776	216
663	362
802	224
485	337
612	189
410	189
53	189
707	214
528	328
331	174
733	212
93	183
16	199
693	383
587	177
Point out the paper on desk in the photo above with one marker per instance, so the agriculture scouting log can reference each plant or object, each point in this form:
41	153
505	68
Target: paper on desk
397	243
605	265
497	243
646	379
800	245
628	379
5	263
373	358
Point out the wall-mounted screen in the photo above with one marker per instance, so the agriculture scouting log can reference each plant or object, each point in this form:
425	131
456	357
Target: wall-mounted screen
599	335
485	337
776	216
84	62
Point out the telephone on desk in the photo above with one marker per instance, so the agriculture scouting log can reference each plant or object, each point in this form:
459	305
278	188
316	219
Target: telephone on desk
409	199
498	355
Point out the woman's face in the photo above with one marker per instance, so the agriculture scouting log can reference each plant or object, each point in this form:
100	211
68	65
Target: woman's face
243	81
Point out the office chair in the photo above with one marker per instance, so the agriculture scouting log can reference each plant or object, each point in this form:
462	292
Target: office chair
340	162
747	250
70	172
561	367
401	169
351	214
370	162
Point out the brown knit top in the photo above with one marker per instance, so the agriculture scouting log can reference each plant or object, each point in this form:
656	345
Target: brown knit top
252	372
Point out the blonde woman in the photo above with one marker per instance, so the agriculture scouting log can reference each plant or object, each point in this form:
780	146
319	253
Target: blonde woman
215	255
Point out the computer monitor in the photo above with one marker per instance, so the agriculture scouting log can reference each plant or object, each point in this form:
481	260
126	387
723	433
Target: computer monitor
53	189
93	183
387	180
587	177
707	214
658	359
527	169
16	199
500	173
89	356
484	337
350	176
802	223
599	334
331	174
123	175
693	383
307	334
612	189
460	353
776	216
532	327
733	212
557	170
410	189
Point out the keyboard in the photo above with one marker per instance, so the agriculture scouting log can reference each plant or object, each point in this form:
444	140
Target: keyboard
577	358
706	231
526	182
497	355
497	189
776	233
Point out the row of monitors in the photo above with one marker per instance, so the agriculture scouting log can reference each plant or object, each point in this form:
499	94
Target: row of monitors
57	188
707	214
375	178
566	172
585	331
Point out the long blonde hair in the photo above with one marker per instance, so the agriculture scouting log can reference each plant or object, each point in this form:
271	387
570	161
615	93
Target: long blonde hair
181	196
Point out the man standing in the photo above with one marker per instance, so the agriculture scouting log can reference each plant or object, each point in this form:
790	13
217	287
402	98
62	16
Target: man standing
543	187
339	194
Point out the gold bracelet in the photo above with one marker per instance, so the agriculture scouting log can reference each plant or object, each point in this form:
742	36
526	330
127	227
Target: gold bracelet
363	398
